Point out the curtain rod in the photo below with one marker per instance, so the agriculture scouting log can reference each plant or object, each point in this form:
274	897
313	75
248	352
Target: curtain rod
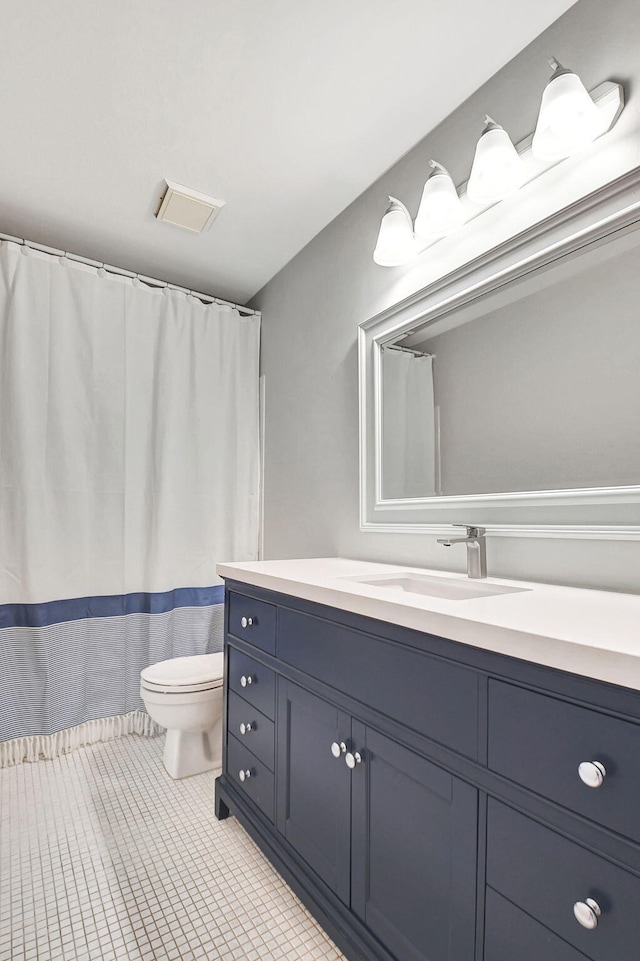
407	350
122	272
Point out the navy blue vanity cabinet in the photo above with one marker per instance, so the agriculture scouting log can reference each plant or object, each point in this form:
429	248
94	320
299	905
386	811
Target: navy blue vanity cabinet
251	620
250	775
583	759
314	784
513	935
414	843
390	833
251	727
250	701
428	694
546	875
251	680
430	801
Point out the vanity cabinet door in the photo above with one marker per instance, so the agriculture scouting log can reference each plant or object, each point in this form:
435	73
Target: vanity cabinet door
314	786
414	850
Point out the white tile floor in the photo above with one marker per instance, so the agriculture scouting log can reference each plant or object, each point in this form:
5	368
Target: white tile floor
103	857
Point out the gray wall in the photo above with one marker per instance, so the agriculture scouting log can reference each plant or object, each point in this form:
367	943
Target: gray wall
312	308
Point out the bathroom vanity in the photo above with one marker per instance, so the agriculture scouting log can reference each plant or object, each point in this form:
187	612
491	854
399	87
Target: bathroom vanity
439	776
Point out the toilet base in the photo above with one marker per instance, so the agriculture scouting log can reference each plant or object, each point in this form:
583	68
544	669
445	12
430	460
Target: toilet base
192	752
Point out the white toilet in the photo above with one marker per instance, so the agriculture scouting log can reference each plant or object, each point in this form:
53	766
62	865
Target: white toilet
184	694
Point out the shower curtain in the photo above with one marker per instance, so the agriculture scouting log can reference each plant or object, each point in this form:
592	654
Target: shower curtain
129	465
409	447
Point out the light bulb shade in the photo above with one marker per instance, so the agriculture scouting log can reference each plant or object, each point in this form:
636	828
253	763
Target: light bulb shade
568	119
440	211
497	169
396	243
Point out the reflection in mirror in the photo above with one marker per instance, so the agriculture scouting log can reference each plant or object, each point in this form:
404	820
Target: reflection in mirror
408	424
540	393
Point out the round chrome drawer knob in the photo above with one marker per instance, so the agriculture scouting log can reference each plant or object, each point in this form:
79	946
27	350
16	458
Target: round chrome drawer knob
592	773
587	913
338	749
246	728
352	759
246	622
246	680
244	775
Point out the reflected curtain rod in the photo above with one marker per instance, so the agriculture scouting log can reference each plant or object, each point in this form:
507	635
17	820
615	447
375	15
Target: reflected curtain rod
407	350
122	272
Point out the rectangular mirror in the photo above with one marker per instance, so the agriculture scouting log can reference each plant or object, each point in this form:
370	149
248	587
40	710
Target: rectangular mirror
510	395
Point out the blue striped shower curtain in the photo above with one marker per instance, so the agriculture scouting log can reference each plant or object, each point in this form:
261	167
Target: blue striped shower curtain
129	465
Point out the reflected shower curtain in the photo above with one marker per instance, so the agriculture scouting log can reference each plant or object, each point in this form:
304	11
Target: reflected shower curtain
129	465
408	424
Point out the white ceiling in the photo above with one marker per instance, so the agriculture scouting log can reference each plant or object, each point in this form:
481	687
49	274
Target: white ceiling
286	109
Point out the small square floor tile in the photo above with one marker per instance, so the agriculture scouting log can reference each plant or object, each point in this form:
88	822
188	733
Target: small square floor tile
104	858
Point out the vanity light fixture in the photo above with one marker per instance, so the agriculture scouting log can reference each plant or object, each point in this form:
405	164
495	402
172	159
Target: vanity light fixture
568	119
440	211
497	169
396	242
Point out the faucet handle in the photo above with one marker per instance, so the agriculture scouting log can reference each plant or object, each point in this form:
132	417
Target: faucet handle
472	530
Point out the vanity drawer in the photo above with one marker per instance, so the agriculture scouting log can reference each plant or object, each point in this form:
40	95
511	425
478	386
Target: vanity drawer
544	874
258	780
434	697
252	681
259	737
252	621
539	741
510	934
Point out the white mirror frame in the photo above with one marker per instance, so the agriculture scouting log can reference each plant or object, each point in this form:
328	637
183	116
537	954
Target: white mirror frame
605	512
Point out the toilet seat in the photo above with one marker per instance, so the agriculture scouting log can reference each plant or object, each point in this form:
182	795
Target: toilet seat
184	675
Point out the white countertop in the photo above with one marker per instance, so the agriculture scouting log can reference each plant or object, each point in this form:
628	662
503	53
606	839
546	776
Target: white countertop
591	633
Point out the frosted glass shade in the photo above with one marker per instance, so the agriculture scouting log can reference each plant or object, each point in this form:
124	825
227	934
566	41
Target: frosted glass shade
497	169
440	211
396	243
568	118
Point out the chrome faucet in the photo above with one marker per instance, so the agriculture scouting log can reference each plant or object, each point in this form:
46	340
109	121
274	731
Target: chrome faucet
476	549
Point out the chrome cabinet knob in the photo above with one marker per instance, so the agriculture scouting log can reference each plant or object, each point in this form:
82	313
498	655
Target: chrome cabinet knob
244	775
246	622
351	759
338	749
246	680
246	728
587	913
592	773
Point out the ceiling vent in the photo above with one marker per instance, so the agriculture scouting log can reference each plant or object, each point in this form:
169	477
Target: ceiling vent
188	208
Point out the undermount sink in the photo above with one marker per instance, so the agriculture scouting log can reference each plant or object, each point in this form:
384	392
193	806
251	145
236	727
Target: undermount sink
433	586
